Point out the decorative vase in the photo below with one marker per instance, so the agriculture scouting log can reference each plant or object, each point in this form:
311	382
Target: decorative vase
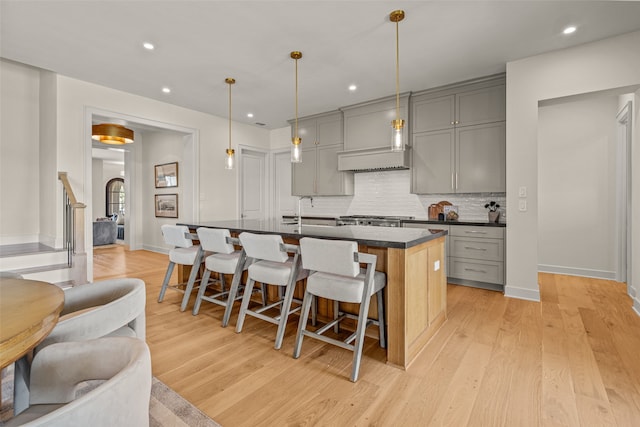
494	216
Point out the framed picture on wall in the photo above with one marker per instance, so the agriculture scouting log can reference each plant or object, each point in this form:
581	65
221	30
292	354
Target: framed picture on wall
166	205
166	175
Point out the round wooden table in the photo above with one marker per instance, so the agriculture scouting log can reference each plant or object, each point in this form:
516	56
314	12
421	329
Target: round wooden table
29	310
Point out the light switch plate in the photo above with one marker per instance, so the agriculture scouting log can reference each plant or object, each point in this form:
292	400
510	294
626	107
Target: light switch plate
436	265
522	191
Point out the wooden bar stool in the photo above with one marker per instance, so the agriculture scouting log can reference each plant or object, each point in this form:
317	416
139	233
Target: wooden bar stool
335	274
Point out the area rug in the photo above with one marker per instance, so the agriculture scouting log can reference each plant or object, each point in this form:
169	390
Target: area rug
166	407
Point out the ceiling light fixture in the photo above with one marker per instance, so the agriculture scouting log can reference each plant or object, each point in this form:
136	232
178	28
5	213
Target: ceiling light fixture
166	90
148	46
111	133
250	115
397	140
569	30
296	152
353	88
230	152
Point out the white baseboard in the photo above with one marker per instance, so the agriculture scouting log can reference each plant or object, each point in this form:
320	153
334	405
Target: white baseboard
153	248
19	240
582	272
636	306
522	293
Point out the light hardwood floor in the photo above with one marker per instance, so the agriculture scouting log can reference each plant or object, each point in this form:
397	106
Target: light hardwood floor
571	360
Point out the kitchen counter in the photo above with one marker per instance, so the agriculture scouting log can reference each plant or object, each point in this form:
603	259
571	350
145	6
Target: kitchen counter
413	260
474	223
385	237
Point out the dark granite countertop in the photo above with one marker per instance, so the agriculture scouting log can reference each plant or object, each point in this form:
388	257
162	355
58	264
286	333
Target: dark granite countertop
386	237
474	223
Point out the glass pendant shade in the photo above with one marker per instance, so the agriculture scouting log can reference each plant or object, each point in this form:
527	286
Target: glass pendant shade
229	159
296	152
397	135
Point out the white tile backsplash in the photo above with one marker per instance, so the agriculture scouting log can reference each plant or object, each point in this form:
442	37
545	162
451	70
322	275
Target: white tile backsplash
387	193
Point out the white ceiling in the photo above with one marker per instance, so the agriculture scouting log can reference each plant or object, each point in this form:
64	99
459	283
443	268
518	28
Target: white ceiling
199	43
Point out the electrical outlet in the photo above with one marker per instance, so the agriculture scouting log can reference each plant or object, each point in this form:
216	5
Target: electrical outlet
522	205
436	265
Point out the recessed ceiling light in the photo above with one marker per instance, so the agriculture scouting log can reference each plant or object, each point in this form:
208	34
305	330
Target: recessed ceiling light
249	115
166	90
569	30
353	88
148	46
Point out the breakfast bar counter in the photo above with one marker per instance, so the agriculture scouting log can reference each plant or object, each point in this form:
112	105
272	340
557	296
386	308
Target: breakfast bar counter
413	259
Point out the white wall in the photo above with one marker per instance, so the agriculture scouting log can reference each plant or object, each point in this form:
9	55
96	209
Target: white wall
48	157
98	194
577	187
603	65
160	148
19	158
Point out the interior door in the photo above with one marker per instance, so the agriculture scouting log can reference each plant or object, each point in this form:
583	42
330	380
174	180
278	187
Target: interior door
253	186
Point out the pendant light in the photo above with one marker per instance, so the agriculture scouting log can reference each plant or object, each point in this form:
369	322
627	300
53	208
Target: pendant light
397	137
228	164
296	152
111	133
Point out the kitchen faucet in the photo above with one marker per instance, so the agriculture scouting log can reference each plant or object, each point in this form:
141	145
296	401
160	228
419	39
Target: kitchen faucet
300	207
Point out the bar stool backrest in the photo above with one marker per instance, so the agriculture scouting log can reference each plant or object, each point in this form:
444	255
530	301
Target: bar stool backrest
175	235
215	240
330	256
263	247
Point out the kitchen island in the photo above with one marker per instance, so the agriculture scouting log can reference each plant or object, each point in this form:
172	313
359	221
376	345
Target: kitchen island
413	259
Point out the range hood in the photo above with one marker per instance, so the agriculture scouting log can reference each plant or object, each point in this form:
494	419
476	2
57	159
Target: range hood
373	159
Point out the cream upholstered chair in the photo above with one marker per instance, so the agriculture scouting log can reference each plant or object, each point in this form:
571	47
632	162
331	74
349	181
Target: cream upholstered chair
336	275
113	307
121	400
270	264
185	253
224	260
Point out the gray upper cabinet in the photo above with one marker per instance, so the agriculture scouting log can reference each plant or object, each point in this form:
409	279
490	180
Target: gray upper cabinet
481	158
368	125
458	139
480	106
317	174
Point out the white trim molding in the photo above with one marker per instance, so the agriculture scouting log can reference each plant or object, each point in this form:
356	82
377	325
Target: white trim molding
522	293
572	271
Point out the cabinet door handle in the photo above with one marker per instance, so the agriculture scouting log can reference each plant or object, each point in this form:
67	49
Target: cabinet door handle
475	232
475	249
457	122
475	271
456	180
452	123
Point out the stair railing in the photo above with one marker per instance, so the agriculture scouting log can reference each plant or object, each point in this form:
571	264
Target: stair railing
73	230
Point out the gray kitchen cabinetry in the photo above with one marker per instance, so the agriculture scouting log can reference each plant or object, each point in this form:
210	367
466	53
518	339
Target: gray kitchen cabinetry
368	125
317	174
475	254
458	139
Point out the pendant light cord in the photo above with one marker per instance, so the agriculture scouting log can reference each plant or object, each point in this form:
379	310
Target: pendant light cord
296	130
229	116
397	72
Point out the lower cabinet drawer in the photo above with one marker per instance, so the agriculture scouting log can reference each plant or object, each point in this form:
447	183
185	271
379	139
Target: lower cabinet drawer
481	271
476	248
